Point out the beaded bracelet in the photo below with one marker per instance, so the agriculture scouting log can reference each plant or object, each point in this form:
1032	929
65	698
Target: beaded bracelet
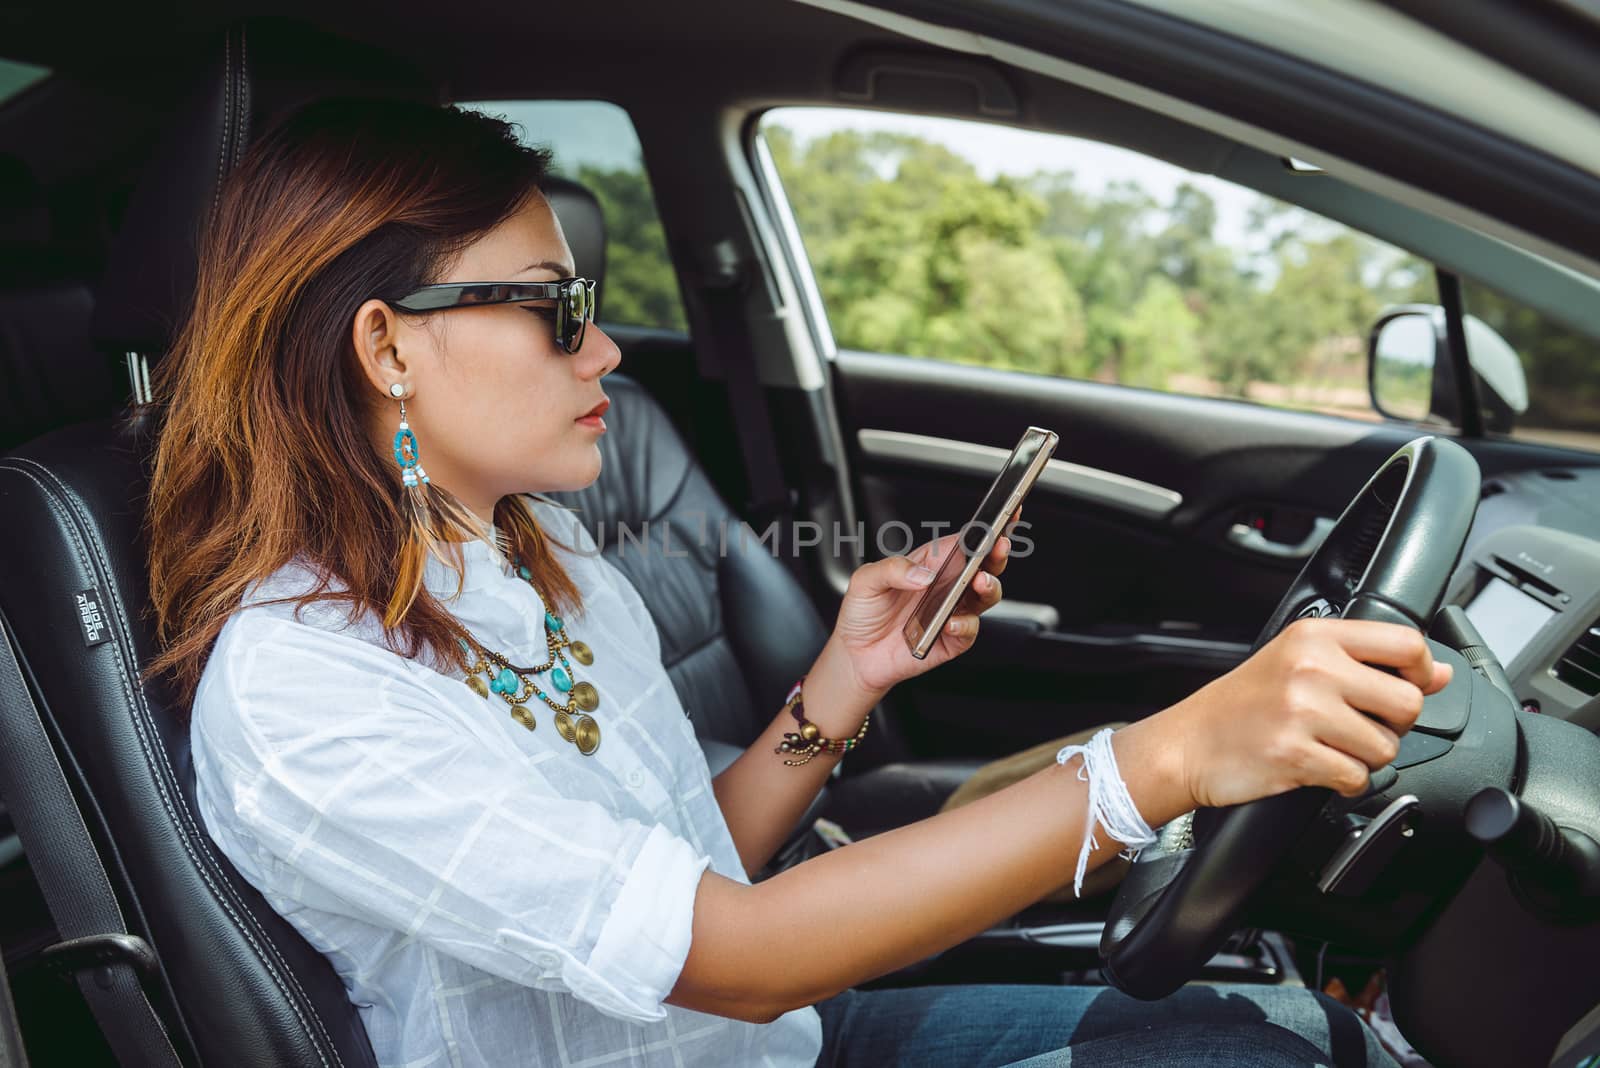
808	741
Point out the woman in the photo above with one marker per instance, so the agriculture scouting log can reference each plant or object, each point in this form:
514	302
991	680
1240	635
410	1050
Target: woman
431	724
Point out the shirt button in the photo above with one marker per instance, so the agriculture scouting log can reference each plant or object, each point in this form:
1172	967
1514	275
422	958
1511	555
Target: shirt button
547	960
635	777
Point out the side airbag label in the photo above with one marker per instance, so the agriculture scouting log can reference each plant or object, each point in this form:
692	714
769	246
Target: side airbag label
92	618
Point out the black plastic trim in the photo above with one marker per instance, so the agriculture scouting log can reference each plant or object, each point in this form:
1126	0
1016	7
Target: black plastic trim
1470	410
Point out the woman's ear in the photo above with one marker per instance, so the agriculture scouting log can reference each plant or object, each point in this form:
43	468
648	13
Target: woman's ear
375	332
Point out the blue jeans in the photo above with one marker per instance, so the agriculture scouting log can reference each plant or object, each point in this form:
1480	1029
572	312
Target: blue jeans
1237	1026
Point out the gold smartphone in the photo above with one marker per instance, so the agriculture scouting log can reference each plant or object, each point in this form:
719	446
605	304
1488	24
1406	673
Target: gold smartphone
977	538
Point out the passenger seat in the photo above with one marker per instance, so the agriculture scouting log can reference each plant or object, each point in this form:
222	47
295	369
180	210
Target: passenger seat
736	627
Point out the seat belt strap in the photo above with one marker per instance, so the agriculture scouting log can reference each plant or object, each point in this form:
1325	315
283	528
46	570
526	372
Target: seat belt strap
108	962
734	348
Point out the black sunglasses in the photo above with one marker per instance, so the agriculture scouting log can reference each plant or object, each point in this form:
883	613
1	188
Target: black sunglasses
574	299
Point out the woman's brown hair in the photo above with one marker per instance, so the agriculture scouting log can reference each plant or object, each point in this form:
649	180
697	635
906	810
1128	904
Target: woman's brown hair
263	456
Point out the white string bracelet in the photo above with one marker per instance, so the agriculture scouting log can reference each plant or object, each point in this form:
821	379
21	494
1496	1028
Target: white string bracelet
1109	803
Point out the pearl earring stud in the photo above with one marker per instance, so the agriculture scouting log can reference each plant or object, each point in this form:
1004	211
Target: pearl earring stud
397	390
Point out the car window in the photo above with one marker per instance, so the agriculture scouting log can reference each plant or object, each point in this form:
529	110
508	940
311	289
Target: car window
1560	367
594	143
15	77
980	244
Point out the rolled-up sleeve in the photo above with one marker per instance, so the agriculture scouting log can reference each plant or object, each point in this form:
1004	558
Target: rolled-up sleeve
353	779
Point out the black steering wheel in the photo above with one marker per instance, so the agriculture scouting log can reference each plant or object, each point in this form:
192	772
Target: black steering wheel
1388	558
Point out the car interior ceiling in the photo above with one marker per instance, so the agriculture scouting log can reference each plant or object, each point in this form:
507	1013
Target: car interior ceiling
65	203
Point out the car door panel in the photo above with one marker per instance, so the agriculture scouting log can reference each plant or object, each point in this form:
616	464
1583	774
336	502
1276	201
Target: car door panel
1164	537
1097	558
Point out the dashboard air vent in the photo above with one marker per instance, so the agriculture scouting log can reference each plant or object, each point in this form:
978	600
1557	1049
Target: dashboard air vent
1579	666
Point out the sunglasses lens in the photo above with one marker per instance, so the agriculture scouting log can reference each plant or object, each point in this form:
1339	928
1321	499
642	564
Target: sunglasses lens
577	307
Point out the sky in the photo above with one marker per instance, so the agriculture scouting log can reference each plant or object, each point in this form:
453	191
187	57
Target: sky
582	132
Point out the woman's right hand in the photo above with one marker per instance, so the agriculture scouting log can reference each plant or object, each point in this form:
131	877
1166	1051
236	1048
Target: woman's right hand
1308	709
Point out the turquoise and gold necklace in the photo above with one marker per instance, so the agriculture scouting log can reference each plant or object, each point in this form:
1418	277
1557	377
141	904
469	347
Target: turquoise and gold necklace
492	673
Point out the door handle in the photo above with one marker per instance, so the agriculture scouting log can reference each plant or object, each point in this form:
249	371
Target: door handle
1043	616
1252	540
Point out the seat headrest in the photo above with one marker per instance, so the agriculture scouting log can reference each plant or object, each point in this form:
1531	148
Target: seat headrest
585	226
256	72
150	268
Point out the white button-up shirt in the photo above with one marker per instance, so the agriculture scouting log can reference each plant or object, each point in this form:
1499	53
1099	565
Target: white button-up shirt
488	894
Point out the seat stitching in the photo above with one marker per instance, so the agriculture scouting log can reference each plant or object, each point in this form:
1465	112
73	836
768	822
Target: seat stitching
138	703
227	114
94	854
688	468
147	729
142	721
677	491
135	696
243	139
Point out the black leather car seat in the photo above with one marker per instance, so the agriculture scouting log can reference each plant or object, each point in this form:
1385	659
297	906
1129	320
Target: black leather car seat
736	627
230	981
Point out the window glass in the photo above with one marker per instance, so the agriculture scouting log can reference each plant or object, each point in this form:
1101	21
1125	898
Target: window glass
981	244
594	143
15	77
1561	368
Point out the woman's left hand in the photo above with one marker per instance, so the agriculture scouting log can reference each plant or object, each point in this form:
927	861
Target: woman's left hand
869	629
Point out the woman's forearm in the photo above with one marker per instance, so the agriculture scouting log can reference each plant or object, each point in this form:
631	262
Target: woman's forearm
1312	707
761	797
895	898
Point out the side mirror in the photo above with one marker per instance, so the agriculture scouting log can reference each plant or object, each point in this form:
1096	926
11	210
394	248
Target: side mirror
1403	354
1411	376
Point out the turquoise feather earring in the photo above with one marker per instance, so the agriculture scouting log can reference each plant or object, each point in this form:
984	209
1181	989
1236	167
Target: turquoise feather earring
405	445
432	516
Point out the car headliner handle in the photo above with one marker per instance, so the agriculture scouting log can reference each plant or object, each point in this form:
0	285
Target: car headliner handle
1249	538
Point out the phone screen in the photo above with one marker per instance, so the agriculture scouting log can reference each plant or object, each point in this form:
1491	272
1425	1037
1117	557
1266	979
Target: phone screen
937	602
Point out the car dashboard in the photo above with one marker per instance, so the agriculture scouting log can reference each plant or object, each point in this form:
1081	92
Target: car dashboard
1529	580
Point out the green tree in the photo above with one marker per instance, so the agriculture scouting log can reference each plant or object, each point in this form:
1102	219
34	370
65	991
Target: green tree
916	252
1562	365
1160	335
1184	248
641	287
